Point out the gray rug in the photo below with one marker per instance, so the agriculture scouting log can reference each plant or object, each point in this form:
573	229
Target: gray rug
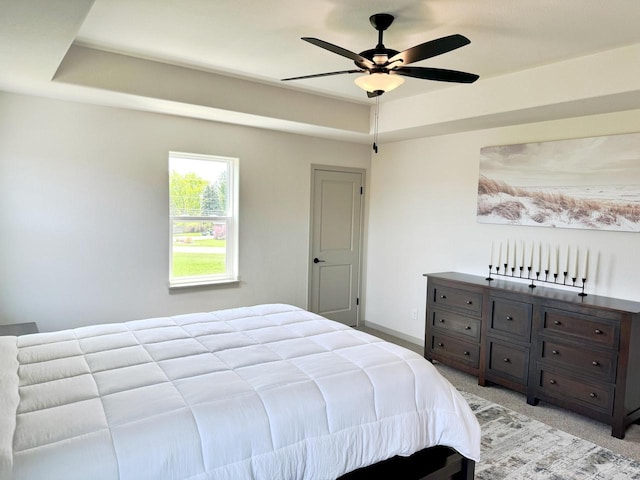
516	447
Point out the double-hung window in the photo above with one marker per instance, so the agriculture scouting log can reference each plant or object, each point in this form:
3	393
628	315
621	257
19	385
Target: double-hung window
203	209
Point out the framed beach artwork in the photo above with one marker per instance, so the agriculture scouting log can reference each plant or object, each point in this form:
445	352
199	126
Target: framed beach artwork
590	183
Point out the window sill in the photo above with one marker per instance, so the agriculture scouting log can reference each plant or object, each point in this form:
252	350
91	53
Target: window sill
204	284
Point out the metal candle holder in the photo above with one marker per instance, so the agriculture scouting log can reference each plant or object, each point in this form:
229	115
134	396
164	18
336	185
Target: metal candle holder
520	274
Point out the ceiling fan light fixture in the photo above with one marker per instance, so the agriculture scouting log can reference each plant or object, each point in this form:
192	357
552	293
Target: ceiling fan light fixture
379	82
380	58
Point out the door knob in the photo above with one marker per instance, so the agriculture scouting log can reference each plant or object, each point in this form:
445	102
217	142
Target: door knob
317	260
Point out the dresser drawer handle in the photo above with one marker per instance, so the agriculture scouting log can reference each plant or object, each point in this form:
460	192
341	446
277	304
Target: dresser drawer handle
557	322
468	327
466	354
506	360
509	317
443	296
593	395
442	320
440	344
555	352
469	302
595	363
598	331
552	382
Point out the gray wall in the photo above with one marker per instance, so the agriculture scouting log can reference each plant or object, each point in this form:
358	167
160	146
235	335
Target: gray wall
423	201
84	224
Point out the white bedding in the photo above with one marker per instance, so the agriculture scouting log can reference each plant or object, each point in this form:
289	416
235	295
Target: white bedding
269	392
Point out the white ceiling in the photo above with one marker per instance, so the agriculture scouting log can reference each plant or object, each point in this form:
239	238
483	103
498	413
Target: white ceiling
259	40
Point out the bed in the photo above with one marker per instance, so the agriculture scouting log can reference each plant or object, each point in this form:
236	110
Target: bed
262	392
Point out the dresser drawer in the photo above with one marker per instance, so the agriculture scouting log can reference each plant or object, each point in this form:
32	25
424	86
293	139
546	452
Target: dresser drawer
564	387
511	318
594	330
455	323
508	360
455	349
598	364
456	298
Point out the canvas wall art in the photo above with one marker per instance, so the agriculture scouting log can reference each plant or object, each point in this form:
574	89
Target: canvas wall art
590	183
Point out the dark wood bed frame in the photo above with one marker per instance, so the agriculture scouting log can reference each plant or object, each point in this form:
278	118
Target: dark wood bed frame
435	463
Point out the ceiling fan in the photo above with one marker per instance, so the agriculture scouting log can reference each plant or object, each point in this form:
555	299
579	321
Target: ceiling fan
384	67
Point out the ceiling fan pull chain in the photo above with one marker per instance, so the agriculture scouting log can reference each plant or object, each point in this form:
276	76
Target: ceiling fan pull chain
375	125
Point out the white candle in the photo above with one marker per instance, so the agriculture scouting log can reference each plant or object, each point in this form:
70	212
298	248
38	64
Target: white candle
491	256
522	254
566	262
539	257
531	256
506	257
557	260
585	270
548	257
513	264
499	254
575	265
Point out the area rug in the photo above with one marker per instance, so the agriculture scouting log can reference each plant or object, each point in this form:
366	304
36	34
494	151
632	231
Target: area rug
516	447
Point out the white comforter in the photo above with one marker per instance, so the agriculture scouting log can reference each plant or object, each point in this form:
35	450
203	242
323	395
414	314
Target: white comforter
269	392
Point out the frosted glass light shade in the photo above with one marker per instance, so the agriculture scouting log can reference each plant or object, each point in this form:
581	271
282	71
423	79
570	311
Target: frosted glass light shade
379	81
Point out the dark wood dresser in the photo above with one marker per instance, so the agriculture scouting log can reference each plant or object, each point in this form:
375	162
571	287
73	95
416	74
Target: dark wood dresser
580	353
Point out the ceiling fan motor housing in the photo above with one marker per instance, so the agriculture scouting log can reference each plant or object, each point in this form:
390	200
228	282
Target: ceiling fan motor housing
370	54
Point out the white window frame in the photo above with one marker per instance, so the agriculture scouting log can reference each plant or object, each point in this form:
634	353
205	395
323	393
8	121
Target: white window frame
231	219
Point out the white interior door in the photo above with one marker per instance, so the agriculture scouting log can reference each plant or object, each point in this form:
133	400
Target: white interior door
335	244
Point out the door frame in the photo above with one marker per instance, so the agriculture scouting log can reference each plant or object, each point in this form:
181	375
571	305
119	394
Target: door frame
332	168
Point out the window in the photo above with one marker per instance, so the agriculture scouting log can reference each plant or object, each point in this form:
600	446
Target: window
203	209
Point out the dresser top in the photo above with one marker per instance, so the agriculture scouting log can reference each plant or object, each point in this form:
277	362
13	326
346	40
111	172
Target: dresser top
542	292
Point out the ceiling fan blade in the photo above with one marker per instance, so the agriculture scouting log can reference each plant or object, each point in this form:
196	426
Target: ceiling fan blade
339	50
430	49
322	75
438	74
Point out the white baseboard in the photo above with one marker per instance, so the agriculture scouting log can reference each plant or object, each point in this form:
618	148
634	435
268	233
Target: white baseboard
400	335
